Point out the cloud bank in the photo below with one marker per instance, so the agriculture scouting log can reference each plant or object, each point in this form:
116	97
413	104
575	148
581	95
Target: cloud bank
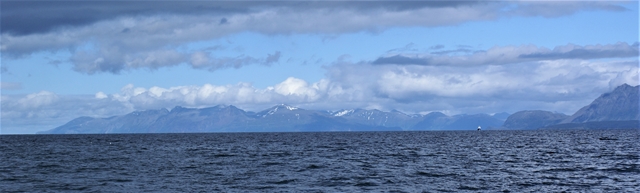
554	85
110	37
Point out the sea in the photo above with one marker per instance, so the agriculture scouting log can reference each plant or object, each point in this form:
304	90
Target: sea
409	161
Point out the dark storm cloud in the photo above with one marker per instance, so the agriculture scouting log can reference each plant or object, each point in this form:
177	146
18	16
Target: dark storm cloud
29	17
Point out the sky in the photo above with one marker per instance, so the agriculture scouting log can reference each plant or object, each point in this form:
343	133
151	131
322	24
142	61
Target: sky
64	59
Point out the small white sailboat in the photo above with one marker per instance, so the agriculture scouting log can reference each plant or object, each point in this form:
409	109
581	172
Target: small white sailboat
479	128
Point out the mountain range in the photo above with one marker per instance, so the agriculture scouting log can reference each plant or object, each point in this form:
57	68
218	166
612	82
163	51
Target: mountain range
619	107
281	118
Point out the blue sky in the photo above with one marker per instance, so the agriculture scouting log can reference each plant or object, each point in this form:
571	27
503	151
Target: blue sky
112	58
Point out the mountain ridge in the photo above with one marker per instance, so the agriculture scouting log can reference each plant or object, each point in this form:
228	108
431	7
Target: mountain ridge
618	108
621	104
279	118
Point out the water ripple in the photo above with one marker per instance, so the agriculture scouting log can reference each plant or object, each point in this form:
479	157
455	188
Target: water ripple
452	161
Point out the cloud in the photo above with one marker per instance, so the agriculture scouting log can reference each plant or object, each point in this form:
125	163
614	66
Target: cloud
630	76
148	43
156	31
487	88
436	47
32	17
101	95
399	59
37	100
551	9
46	110
4	70
10	85
271	58
105	36
571	51
292	90
501	55
412	88
115	61
224	21
554	85
411	47
203	60
25	18
459	50
297	88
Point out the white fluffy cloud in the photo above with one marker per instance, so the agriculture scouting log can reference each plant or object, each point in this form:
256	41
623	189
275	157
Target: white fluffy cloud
560	85
291	90
297	87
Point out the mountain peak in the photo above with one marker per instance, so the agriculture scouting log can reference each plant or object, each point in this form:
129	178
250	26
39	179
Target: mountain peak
618	105
285	106
222	106
532	119
178	108
625	88
396	111
625	85
282	107
277	108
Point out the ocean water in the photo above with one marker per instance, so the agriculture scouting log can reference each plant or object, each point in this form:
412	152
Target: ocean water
447	161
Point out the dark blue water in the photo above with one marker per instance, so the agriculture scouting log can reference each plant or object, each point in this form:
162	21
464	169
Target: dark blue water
451	161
